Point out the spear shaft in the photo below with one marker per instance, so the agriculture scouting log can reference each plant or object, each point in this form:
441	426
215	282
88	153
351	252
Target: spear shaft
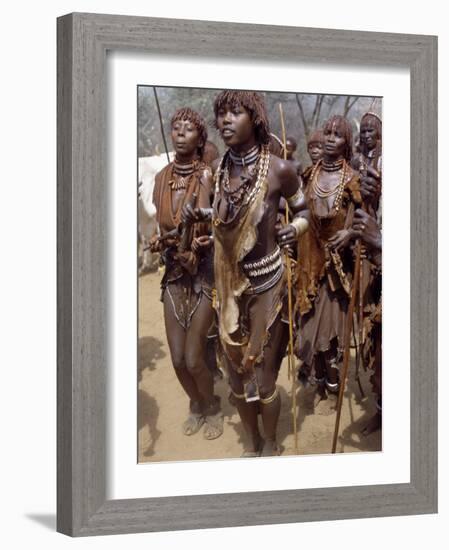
349	320
161	123
290	307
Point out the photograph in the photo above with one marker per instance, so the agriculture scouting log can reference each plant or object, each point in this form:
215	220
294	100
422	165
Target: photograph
259	273
234	280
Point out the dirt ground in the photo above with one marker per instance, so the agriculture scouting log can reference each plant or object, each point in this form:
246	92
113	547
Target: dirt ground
163	406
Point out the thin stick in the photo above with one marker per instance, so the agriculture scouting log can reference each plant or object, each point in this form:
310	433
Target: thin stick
349	320
359	356
161	123
290	305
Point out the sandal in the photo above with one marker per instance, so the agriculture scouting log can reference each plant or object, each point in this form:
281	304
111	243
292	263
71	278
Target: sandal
193	423
214	426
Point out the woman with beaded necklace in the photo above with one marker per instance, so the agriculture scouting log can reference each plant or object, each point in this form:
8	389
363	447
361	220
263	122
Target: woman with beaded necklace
325	261
248	267
188	279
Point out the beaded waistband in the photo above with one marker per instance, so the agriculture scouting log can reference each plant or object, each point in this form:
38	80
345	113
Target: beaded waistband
263	266
268	283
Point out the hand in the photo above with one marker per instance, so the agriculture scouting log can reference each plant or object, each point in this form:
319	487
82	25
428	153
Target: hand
188	214
155	244
286	236
188	260
365	227
340	239
202	242
370	188
171	242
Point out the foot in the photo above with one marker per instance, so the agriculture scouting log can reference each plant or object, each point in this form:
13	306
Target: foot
373	425
193	423
271	448
214	426
320	395
254	451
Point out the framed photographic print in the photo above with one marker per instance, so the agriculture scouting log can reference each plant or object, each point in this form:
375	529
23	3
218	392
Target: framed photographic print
148	108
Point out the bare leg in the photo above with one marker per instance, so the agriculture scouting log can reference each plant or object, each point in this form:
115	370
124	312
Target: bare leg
332	369
195	351
270	416
332	382
176	337
196	355
270	405
248	413
320	376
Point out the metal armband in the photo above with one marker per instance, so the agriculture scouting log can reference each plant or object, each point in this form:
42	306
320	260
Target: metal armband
295	199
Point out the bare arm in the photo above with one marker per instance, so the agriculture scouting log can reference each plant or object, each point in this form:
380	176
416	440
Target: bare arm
190	215
291	191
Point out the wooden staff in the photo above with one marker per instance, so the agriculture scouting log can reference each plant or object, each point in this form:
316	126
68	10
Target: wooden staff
161	123
290	307
349	320
359	341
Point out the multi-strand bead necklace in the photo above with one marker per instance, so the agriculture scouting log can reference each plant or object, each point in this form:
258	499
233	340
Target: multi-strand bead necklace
183	171
338	189
256	161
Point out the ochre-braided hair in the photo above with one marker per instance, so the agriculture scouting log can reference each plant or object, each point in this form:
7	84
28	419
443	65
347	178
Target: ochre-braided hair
346	130
253	103
186	113
316	137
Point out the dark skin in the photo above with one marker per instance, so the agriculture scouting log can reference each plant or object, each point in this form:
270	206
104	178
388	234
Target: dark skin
185	138
333	151
370	178
334	147
366	228
188	347
237	131
315	150
291	146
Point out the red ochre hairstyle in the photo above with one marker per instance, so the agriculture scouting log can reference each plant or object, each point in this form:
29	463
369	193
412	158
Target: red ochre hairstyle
316	137
253	103
346	130
186	113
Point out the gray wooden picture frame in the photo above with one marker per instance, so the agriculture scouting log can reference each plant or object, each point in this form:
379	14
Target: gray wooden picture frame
83	40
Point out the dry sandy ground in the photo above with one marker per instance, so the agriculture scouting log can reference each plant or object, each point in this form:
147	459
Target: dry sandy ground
162	405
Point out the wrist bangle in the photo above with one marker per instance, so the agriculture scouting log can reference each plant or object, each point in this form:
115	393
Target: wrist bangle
300	224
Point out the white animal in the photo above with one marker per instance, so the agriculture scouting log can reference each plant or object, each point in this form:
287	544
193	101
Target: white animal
148	167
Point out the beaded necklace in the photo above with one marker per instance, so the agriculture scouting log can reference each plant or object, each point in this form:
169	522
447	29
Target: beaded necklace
183	171
337	190
246	191
250	157
332	166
